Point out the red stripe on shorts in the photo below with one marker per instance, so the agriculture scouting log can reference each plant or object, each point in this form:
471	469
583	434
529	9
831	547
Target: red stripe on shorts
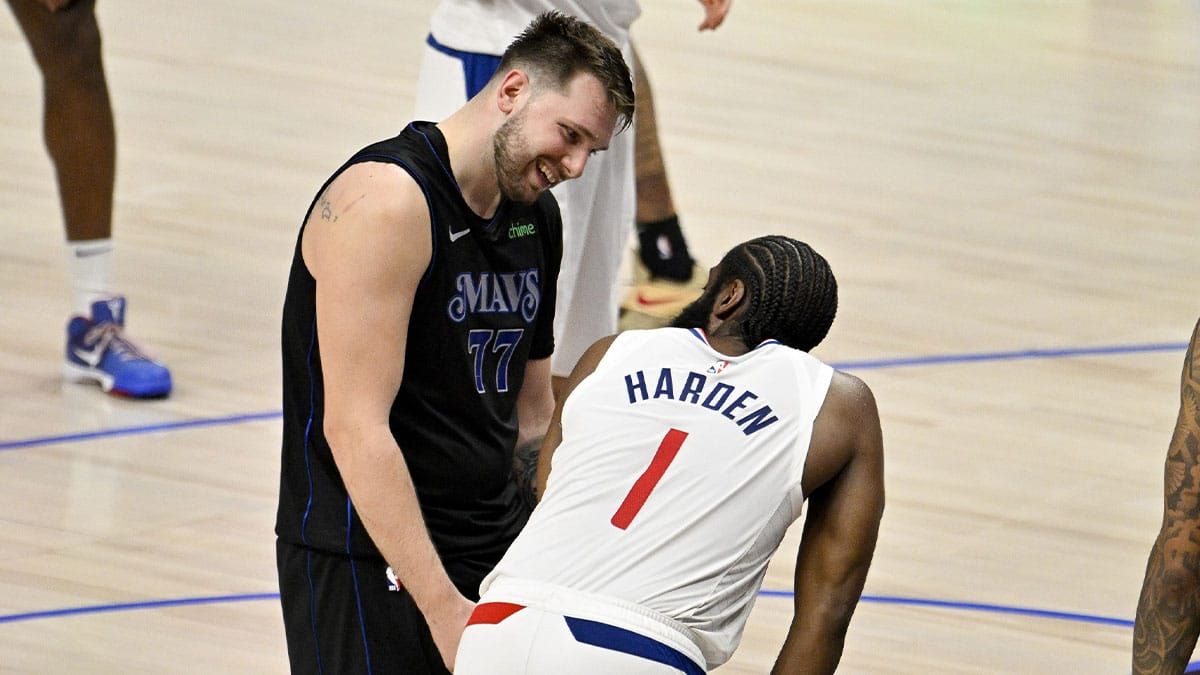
493	612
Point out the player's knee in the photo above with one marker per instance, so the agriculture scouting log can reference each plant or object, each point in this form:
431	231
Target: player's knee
70	49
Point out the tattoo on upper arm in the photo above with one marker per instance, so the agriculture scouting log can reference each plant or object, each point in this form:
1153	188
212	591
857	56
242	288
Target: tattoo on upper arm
327	210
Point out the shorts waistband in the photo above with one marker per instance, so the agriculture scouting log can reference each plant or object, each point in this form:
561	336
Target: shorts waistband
583	609
630	642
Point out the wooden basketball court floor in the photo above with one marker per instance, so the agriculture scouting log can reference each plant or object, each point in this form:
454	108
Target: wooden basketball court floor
1009	193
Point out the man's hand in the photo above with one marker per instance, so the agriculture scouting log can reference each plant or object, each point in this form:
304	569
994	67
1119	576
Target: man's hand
447	626
714	13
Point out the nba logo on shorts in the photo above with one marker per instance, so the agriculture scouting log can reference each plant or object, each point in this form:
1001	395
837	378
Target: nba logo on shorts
393	582
717	367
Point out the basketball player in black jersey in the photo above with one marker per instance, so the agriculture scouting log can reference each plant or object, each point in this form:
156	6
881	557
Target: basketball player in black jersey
416	345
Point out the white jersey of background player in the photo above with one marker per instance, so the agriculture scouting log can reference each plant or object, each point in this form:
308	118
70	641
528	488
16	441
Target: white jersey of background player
679	459
599	207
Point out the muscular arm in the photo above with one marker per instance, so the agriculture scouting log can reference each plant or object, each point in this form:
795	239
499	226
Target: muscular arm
367	243
844	474
587	363
1168	613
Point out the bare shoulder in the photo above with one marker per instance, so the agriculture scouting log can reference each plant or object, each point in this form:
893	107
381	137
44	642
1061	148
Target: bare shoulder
1191	376
846	429
850	392
372	211
1186	439
587	363
1183	454
849	407
593	355
366	191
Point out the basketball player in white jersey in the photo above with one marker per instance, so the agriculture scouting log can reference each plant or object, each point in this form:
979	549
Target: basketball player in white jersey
670	473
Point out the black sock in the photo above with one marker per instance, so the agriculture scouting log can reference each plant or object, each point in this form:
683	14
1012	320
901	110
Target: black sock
663	250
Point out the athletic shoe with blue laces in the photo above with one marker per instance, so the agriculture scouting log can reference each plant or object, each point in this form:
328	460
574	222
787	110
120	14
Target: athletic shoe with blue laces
98	351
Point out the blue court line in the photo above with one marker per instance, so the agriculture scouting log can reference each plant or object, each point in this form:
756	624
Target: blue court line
980	607
844	365
146	429
1010	356
883	599
129	606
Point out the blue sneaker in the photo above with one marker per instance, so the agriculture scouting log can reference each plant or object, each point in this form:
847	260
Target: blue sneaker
98	351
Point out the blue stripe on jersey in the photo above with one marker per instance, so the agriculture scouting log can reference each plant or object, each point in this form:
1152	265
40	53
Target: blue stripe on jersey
628	642
491	224
362	622
312	610
312	406
432	151
312	593
699	333
477	68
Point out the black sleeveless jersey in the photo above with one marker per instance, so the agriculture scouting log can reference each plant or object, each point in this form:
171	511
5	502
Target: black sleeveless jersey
484	307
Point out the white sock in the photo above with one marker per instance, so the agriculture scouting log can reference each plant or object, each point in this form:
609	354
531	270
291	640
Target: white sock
90	262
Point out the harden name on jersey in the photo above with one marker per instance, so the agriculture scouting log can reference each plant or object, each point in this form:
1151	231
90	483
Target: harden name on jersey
692	387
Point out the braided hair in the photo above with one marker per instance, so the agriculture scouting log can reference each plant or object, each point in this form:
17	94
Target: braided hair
790	291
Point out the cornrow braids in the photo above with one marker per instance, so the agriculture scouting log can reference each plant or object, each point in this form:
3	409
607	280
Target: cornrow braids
790	291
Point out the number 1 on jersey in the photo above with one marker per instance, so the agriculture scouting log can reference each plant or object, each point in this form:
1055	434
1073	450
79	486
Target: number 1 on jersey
645	483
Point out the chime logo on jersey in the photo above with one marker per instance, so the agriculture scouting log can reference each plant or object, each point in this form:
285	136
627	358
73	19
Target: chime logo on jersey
692	387
496	293
517	230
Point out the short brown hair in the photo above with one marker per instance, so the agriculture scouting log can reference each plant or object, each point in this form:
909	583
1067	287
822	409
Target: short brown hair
558	47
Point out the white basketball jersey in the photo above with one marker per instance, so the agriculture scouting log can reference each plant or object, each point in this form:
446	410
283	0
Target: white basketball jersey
678	474
488	26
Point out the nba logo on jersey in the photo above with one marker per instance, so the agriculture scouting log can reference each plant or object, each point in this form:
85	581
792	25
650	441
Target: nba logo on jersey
717	367
393	584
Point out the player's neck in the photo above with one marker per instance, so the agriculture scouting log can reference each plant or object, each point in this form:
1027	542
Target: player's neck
472	161
727	339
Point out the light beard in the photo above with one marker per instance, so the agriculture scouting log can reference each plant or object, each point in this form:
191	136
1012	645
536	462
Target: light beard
506	144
